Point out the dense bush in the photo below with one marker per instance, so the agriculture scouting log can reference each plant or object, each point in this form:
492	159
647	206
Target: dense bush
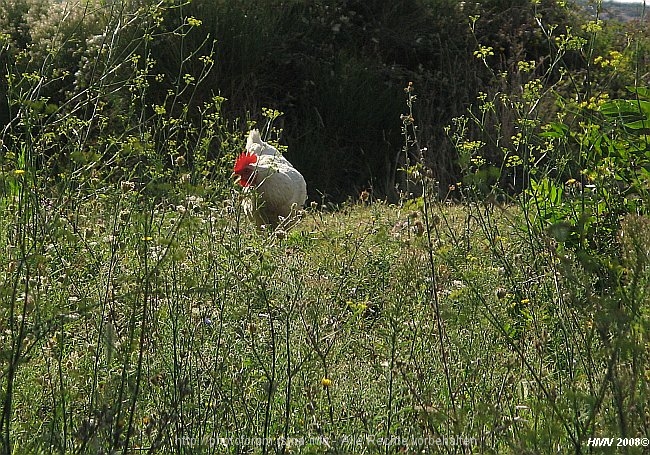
335	69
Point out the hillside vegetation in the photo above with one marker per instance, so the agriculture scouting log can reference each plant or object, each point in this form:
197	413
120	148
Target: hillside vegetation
471	273
336	70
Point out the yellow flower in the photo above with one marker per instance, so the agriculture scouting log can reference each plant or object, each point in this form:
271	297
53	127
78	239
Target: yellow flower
19	171
160	110
593	26
483	52
326	382
147	239
193	22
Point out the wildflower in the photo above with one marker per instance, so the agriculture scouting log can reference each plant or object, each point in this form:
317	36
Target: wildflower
18	172
193	22
407	119
147	239
158	379
593	26
526	66
188	79
357	307
326	382
525	301
364	196
418	228
127	186
483	52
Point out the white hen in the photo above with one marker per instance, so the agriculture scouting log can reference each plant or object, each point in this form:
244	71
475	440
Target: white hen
280	189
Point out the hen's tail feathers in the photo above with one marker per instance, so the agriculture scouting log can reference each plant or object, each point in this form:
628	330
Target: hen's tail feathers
254	139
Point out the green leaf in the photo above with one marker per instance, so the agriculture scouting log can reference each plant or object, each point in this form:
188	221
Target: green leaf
633	114
555	130
642	92
638	124
619	108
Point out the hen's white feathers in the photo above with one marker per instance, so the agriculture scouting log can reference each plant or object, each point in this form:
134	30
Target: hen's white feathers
280	189
255	144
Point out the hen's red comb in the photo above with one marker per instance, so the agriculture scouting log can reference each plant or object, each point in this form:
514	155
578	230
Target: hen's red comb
243	160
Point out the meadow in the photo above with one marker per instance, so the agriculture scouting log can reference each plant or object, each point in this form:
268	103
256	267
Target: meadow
488	294
372	329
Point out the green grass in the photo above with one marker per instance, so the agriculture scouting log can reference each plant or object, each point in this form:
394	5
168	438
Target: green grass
165	328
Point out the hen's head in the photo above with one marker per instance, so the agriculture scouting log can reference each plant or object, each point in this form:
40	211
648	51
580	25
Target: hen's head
244	169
